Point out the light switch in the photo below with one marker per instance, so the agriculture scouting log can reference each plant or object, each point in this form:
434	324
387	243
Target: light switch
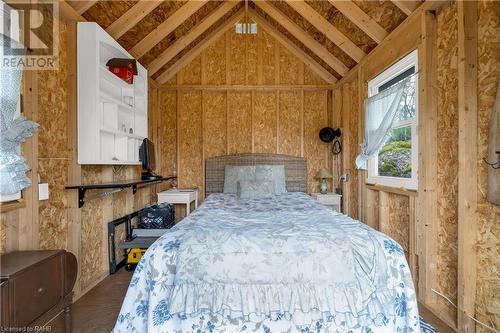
43	191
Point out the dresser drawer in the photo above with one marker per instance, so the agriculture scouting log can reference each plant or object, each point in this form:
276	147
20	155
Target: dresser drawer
36	290
329	200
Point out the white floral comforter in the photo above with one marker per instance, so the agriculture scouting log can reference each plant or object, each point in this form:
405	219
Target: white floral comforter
285	264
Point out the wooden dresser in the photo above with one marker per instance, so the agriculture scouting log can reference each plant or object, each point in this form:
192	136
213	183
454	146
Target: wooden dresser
35	287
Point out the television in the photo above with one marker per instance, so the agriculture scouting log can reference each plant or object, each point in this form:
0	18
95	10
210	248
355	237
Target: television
147	157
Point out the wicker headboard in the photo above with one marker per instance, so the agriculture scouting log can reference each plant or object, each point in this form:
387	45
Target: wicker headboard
295	170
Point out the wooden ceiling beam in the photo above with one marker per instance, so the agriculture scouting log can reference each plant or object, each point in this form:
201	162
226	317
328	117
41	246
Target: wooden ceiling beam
292	48
407	6
195	51
166	27
135	14
332	33
361	19
303	37
82	6
187	39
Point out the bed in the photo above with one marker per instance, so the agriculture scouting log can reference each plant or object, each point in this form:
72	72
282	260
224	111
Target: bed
269	264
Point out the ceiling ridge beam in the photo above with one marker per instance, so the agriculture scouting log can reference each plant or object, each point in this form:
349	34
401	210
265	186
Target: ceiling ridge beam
293	48
361	19
133	16
330	31
195	51
166	27
407	6
191	36
82	6
303	37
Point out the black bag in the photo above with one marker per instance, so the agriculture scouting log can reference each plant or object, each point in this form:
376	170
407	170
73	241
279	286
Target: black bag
155	216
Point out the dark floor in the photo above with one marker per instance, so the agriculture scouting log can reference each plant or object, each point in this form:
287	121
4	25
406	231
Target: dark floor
97	310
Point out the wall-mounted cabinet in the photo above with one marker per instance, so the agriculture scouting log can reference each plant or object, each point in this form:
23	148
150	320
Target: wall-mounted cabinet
112	114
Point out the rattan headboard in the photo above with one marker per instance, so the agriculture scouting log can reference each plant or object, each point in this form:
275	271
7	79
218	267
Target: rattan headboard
295	170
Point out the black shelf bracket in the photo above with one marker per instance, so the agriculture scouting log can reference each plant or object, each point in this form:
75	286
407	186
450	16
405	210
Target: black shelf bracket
114	187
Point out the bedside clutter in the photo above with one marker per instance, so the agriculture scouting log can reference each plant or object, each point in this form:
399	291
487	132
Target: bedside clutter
35	287
331	200
183	197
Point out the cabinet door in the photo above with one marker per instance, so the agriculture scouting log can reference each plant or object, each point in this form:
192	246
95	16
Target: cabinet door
4	305
36	290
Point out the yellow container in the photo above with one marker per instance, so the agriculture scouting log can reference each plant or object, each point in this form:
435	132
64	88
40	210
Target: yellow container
134	255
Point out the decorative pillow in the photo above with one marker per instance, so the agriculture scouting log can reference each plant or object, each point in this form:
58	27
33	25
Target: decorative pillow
251	189
235	173
273	173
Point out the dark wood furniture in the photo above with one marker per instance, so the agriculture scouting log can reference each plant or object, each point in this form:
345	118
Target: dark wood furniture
35	287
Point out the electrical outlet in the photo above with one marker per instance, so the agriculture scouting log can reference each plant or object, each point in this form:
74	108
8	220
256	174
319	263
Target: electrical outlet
344	178
43	191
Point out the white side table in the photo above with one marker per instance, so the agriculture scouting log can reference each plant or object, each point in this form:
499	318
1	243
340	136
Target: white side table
331	200
179	196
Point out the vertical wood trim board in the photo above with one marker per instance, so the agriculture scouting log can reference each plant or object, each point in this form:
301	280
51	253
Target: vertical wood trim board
467	162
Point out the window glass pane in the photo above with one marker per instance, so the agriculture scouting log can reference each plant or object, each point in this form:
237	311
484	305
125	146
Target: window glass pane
394	159
408	107
396	79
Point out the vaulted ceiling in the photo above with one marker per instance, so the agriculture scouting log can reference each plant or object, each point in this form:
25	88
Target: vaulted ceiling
331	36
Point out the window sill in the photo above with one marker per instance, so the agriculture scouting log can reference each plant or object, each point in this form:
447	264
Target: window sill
12	205
394	190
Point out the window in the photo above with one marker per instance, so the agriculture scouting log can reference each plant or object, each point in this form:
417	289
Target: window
396	163
246	28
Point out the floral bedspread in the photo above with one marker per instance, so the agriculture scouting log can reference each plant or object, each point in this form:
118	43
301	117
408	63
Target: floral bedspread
282	264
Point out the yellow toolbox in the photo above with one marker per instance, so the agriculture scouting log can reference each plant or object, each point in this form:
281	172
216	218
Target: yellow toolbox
134	255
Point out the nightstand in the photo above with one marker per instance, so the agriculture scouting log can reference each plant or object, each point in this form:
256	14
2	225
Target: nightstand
331	200
180	196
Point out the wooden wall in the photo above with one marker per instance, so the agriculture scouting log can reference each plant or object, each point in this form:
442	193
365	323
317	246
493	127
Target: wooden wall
58	223
427	228
243	94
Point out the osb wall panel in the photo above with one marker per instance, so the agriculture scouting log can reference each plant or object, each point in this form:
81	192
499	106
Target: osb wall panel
399	220
215	62
106	12
315	118
3	232
191	74
52	150
385	13
190	141
264	120
291	68
312	78
290	126
214	123
447	150
238	58
239	122
488	227
167	135
91	228
269	47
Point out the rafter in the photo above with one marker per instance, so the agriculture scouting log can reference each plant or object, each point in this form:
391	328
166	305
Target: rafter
361	19
184	41
82	6
332	33
303	37
125	22
195	51
155	36
407	6
292	48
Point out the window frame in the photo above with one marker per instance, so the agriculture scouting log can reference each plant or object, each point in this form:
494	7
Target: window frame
409	61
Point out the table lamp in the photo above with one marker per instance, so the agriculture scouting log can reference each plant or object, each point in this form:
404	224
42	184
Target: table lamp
323	174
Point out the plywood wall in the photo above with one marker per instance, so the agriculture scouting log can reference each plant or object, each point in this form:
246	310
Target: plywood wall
243	94
488	227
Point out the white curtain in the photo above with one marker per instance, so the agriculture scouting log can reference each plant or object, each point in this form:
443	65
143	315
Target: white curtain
13	129
380	112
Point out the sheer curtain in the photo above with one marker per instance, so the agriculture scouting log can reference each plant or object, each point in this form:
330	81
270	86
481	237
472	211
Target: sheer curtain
380	112
14	129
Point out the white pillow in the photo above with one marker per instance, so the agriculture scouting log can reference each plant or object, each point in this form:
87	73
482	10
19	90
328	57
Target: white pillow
251	189
273	173
235	173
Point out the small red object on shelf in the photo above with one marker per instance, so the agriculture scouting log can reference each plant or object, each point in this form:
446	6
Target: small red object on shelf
125	69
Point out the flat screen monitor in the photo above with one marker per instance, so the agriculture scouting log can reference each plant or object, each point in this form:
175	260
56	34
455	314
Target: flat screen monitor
147	155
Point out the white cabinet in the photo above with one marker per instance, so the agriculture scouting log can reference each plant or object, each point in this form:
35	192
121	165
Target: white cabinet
112	114
331	200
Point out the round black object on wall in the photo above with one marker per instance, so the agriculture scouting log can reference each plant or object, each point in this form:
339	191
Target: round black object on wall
328	134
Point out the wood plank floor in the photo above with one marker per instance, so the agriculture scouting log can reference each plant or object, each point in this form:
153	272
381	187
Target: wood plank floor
97	310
